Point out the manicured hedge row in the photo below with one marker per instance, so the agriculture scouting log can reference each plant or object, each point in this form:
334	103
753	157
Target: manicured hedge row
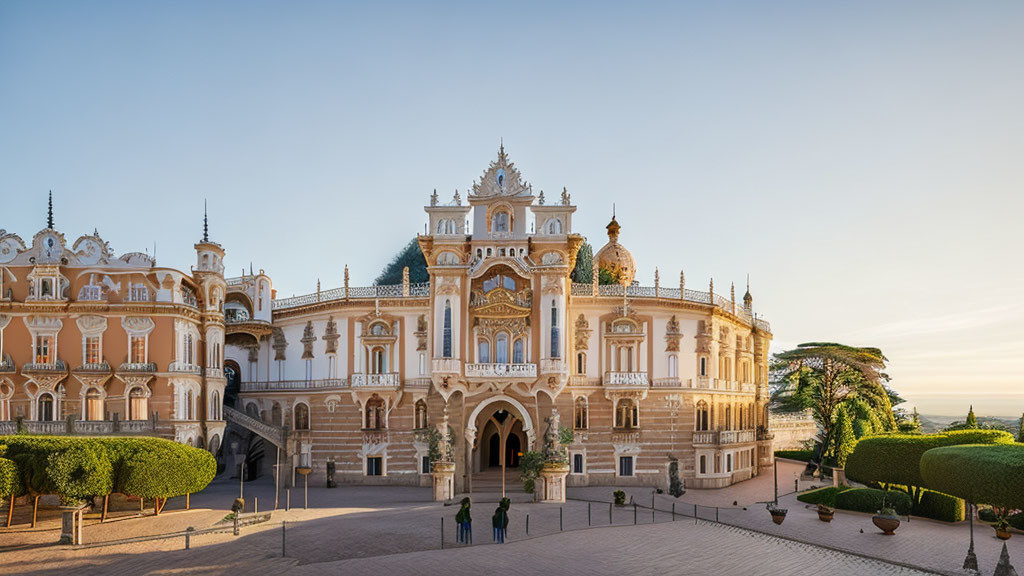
10	483
982	474
871	500
896	458
939	506
77	468
826	495
801	455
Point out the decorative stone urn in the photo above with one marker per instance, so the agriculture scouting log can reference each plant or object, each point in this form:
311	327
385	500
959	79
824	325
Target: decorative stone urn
552	477
444	480
886	523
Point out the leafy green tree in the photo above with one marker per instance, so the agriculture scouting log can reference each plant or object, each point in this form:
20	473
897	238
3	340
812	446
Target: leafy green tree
823	377
410	256
583	273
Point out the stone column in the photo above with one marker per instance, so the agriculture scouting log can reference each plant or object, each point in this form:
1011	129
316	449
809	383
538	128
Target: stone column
553	481
444	481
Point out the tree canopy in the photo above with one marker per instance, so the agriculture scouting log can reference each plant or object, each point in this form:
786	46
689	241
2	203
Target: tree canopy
410	256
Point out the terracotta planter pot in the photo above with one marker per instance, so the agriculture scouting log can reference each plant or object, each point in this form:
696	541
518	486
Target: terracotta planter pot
886	524
826	516
778	518
1003	534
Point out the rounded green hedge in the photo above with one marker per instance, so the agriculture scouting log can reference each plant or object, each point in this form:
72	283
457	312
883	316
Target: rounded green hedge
939	506
896	458
77	468
871	500
981	474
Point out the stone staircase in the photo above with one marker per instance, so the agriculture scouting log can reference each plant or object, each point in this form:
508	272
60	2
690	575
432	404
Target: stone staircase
487	486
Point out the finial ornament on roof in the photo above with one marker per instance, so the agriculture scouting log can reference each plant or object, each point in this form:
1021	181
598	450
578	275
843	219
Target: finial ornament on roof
49	212
540	199
206	224
566	198
433	198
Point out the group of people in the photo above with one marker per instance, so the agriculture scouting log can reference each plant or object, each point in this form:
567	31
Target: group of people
499	522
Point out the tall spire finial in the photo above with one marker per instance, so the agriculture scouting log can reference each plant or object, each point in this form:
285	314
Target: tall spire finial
49	212
501	140
206	224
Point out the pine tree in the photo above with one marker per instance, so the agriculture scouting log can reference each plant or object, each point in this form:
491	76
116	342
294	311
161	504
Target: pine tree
584	270
971	422
410	256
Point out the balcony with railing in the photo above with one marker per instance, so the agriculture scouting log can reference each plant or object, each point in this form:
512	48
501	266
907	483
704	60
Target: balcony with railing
54	366
388	380
184	368
626	380
723	437
93	368
137	367
289	385
493	370
446	366
553	366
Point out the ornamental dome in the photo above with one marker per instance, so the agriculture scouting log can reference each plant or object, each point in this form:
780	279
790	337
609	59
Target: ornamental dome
614	257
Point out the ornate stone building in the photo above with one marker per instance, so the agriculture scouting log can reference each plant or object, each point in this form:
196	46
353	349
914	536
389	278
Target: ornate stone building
499	339
93	343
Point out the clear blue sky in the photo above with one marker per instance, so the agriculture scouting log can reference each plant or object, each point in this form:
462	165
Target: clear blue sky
862	161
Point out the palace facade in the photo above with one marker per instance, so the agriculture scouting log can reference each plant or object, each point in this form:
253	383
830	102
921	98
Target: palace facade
500	343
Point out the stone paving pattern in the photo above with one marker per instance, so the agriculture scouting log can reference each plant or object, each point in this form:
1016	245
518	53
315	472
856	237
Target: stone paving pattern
401	530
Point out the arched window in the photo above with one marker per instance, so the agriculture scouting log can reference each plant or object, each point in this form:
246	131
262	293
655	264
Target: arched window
421	415
446	336
673	366
627	414
275	414
138	404
44	411
517	351
373	415
501	348
555	348
483	352
93	405
215	405
703	421
190	357
581	363
554	226
301	416
500	222
188	406
580	418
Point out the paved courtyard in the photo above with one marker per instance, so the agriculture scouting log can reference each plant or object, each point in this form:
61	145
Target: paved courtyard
396	530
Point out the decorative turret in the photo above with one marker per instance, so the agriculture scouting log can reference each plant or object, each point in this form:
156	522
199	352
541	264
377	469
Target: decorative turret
209	255
614	257
748	300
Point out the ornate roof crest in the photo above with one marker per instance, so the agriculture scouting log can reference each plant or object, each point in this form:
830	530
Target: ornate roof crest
502	178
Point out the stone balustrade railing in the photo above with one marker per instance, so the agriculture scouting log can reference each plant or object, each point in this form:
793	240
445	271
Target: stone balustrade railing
416	290
446	366
501	370
387	380
553	366
626	380
276	385
723	437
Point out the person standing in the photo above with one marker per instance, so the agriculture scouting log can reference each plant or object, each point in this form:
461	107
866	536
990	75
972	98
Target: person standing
465	522
500	520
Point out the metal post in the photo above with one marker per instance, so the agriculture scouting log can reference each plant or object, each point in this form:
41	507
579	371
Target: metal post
277	477
283	530
188	535
588	514
442	532
716	513
305	504
559	518
255	506
610	521
241	482
527	524
775	471
287	499
634	513
673	511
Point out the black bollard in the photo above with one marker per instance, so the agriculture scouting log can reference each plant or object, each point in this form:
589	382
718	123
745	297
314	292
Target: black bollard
610	521
527	524
442	532
283	530
634	513
559	518
673	511
588	514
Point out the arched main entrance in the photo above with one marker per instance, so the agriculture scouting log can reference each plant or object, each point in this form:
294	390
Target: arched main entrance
501	430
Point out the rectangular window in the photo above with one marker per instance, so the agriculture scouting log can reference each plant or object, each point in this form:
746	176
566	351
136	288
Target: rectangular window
703	366
555	348
703	464
44	349
92	350
137	349
625	465
374	466
425	465
728	462
577	463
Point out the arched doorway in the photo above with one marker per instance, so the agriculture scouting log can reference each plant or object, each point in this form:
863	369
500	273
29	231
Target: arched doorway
501	430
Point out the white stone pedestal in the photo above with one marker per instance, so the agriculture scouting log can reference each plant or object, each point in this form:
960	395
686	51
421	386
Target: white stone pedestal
71	525
444	481
553	482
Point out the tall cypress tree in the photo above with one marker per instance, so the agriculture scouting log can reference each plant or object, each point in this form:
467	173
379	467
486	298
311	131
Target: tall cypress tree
410	256
971	422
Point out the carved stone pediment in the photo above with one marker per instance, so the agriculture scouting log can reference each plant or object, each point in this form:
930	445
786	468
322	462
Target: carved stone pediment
501	303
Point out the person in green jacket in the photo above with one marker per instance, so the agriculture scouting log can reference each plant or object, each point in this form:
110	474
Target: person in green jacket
500	520
465	522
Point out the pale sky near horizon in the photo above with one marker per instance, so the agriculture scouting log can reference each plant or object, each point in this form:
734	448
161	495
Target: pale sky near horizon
861	161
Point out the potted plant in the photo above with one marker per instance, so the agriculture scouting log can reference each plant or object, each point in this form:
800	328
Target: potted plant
886	520
1002	527
778	514
826	512
620	497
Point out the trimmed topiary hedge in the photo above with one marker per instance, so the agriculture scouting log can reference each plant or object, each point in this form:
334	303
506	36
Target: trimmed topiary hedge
77	468
801	455
896	458
10	480
939	506
981	474
826	495
871	500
